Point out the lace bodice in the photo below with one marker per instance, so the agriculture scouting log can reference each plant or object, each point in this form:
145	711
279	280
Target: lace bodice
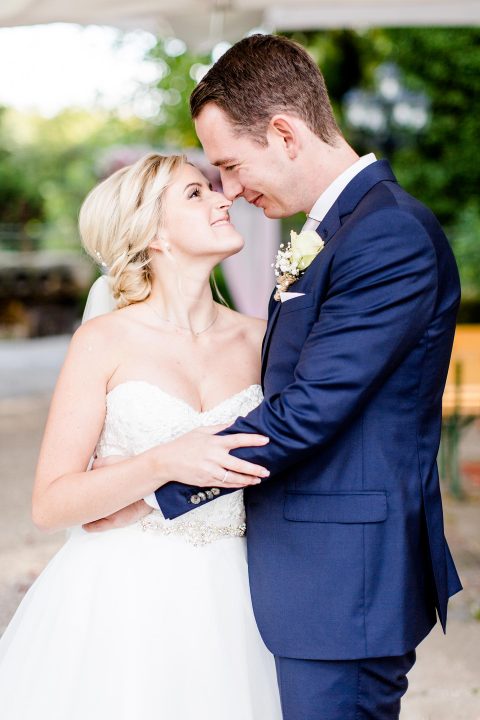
141	415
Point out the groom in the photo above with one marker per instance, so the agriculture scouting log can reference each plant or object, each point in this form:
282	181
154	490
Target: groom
347	556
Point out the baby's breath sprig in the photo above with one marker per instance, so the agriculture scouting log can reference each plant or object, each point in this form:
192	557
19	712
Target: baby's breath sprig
293	260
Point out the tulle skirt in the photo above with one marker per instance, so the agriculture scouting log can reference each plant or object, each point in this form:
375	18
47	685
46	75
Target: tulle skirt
132	624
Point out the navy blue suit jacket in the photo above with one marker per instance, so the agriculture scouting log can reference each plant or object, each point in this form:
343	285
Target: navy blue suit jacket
346	547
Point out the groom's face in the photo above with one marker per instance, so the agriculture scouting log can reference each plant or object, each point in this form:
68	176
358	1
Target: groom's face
260	174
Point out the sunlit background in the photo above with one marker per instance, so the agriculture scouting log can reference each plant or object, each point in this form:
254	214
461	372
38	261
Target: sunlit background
79	101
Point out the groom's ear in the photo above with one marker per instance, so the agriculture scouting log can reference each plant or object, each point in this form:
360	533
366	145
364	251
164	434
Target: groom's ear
284	129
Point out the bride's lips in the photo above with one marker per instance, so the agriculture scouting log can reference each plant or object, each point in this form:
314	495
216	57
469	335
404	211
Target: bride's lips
224	220
256	200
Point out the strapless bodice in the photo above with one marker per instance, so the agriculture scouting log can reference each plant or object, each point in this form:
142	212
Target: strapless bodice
141	415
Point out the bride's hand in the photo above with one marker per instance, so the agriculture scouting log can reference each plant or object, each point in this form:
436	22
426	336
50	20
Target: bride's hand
201	458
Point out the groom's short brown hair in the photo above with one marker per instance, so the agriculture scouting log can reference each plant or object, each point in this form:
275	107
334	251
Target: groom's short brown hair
260	76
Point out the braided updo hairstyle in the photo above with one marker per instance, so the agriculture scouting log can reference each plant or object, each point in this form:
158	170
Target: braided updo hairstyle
121	217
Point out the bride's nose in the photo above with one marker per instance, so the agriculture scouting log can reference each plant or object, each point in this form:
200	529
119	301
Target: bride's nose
222	203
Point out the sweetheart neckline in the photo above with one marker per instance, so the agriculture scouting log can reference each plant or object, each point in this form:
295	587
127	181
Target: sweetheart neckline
180	400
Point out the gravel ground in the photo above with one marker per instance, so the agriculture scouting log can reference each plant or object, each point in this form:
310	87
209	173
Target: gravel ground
30	367
445	682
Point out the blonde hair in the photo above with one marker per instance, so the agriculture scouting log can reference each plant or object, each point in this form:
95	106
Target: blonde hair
120	218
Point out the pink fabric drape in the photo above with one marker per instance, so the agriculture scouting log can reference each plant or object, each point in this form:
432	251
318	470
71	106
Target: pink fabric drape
249	275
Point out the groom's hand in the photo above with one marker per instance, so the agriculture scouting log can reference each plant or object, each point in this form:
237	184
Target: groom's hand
127	516
122	518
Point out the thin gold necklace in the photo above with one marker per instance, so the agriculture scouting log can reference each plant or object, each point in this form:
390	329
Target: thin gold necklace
182	327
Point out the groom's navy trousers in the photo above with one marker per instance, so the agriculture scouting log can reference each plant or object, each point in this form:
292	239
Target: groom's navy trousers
368	689
347	556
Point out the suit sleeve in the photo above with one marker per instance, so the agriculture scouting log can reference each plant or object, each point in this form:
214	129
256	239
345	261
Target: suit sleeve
381	298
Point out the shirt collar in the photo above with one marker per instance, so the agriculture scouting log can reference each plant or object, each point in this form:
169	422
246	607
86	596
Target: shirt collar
335	189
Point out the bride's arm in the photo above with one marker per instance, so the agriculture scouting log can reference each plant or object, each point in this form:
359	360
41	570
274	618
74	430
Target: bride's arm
65	494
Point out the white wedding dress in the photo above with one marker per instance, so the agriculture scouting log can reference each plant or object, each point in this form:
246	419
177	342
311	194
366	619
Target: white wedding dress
150	622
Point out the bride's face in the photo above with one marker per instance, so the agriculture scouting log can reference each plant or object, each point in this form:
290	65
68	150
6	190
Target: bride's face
196	219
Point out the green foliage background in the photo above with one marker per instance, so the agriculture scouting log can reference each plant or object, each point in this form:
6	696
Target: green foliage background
48	165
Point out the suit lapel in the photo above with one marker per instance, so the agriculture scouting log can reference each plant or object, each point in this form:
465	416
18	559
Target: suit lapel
272	319
348	200
346	203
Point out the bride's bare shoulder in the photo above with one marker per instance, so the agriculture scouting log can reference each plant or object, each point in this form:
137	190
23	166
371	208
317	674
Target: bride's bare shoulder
252	328
99	325
102	330
98	345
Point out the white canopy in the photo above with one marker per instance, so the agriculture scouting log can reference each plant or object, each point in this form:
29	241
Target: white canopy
196	20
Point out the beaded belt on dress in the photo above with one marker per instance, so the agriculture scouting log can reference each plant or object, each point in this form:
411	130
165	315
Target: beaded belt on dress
196	532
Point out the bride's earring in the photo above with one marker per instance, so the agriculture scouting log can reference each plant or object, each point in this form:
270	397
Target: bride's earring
160	245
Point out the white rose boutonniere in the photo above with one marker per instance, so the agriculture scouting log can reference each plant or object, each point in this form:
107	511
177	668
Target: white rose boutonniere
294	259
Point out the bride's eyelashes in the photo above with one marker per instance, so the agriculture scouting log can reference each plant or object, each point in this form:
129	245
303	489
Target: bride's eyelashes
197	192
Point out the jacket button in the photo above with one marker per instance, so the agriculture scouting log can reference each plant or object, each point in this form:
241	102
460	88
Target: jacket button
195	499
215	491
202	496
209	494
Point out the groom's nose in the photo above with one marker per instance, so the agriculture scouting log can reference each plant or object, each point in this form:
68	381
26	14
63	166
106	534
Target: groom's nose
232	188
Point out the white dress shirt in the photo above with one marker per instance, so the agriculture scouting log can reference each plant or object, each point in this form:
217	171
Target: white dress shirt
334	190
152	501
315	217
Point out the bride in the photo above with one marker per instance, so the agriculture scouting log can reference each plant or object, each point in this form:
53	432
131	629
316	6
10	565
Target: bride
151	621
